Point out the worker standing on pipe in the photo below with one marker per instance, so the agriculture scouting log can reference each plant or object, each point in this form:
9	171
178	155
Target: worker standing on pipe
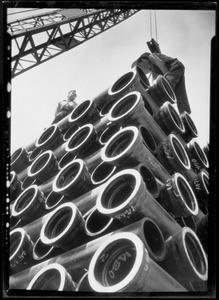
65	107
173	71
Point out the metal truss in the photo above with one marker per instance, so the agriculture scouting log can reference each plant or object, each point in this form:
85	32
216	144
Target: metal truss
41	37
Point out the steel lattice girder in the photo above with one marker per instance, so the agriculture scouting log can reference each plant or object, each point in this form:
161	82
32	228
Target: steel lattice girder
42	37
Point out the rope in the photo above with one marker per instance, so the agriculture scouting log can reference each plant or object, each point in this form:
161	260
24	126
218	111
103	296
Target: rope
155	22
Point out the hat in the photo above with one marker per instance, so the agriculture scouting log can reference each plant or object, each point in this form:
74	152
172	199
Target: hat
144	55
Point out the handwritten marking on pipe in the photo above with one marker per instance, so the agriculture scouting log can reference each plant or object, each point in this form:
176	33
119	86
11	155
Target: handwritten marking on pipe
126	213
116	265
197	184
195	163
19	260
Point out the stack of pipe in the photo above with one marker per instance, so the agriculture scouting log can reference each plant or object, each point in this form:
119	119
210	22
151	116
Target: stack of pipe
113	198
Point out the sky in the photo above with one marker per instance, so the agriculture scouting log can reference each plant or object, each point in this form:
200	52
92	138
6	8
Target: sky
97	63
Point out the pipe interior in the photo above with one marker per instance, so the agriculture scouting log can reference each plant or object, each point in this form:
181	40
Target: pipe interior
195	254
58	222
201	154
206	182
123	106
49	280
176	118
180	151
143	78
40	163
24	200
16	154
106	108
102	172
118	191
40	249
119	143
191	124
96	221
67	158
80	109
53	199
120	258
108	133
35	153
46	135
70	132
79	137
68	175
154	238
122	82
186	193
167	88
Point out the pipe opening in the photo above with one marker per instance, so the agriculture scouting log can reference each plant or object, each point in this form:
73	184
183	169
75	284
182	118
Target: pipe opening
122	82
25	200
108	133
16	155
35	153
40	163
70	132
191	124
201	154
186	193
175	117
106	108
195	253
67	158
180	152
53	199
148	139
41	250
83	284
46	135
119	260
102	172
49	280
80	110
154	239
143	78
68	175
97	222
167	88
28	181
79	137
119	144
124	105
118	191
58	223
205	180
149	180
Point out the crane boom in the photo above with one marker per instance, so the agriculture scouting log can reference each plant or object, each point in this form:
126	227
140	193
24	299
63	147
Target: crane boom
41	37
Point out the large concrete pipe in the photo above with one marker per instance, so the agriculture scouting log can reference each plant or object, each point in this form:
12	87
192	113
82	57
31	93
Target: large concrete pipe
30	204
169	120
19	160
53	277
177	197
21	248
190	128
122	264
126	198
50	139
185	259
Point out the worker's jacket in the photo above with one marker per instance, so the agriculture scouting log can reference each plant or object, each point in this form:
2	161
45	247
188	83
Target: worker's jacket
173	71
65	106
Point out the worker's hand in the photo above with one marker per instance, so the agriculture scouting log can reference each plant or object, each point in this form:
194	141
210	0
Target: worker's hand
155	60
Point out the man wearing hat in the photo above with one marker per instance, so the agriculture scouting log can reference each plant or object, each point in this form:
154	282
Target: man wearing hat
173	71
65	107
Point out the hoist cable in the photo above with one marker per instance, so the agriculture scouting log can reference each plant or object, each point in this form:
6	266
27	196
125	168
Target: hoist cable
150	25
155	19
155	24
